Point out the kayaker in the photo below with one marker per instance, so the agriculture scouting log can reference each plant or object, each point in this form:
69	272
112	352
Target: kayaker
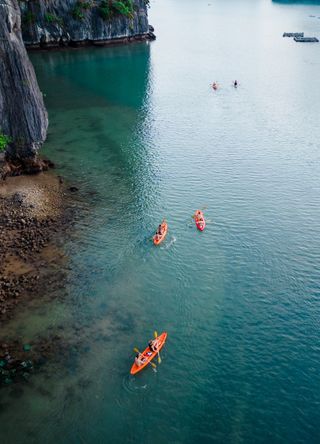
215	85
235	83
139	359
153	345
160	233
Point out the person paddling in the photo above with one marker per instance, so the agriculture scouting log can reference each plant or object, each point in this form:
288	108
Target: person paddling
159	231
153	345
139	359
235	83
200	220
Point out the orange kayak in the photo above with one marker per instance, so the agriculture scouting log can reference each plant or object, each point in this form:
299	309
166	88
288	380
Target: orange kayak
201	224
157	238
148	355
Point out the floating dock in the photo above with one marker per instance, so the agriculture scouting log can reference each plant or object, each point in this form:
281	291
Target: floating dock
306	39
293	34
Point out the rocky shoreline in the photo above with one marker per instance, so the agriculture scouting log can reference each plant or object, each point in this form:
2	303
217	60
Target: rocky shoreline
62	44
34	210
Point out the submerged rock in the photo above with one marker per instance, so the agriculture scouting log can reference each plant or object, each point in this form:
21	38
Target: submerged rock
13	369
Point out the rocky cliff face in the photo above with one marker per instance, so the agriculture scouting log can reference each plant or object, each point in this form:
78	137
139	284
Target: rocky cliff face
72	22
23	116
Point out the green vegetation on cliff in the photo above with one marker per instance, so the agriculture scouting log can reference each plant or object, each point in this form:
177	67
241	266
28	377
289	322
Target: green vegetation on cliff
4	140
107	9
78	12
110	8
52	18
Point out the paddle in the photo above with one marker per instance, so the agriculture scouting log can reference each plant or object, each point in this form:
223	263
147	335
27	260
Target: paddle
159	359
151	363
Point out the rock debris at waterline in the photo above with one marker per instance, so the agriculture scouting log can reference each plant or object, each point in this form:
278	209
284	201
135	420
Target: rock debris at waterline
32	210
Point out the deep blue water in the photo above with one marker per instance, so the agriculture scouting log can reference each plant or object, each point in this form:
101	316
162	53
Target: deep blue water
141	132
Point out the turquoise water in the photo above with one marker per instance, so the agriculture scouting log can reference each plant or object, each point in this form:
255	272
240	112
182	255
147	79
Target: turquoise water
139	130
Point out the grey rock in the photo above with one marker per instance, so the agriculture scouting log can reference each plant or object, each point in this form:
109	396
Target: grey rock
64	29
23	116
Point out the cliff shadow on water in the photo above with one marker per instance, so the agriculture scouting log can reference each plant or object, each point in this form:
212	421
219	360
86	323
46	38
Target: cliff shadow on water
103	95
106	75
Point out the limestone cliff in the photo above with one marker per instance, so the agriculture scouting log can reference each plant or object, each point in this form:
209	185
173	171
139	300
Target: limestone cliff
72	22
23	116
45	23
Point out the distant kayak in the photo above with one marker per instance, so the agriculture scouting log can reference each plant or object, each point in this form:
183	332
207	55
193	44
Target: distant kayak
158	238
148	355
200	220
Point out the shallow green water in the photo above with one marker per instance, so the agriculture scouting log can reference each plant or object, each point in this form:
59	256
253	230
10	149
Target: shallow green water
141	133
